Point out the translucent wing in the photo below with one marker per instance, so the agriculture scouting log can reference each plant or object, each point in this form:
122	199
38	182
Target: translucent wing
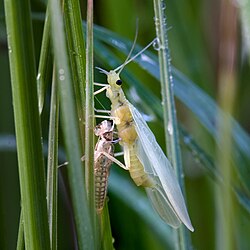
166	196
163	207
157	195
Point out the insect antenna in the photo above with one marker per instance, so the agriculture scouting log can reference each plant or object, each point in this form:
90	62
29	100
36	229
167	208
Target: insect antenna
136	55
120	68
102	70
128	59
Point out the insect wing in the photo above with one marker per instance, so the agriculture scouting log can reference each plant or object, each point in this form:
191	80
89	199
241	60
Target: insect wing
163	207
161	167
157	195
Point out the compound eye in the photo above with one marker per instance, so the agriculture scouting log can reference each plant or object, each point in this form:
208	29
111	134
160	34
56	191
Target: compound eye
119	82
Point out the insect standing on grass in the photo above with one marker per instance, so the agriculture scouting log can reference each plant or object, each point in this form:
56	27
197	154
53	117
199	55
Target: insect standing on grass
144	159
103	158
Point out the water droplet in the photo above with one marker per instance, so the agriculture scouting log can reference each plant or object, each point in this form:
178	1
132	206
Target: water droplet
171	78
157	44
61	75
157	22
156	19
10	49
170	128
163	5
38	77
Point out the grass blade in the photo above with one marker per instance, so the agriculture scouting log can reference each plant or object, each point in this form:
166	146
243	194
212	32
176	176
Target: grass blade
225	228
20	238
89	119
106	234
52	169
89	139
27	123
75	41
169	111
45	64
70	130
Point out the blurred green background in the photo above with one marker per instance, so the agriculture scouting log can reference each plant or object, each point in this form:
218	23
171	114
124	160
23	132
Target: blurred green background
195	35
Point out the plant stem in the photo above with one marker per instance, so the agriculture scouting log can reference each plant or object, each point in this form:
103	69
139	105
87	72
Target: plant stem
53	163
89	116
70	127
226	213
75	41
20	238
45	65
89	139
169	111
27	123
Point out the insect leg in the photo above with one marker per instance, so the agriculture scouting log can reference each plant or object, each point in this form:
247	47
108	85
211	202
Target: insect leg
105	117
115	160
101	90
63	164
116	119
101	84
126	156
102	111
116	141
119	154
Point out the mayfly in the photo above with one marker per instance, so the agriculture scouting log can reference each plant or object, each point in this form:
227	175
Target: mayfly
103	158
147	164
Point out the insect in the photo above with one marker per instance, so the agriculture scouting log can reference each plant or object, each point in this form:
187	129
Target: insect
144	159
103	158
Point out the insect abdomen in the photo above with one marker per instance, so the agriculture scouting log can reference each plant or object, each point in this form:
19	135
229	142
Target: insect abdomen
137	173
101	181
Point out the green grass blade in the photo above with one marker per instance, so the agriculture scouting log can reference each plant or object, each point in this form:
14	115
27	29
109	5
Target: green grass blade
106	234
227	80
169	111
70	130
89	121
243	199
45	64
52	169
20	238
200	155
27	123
75	41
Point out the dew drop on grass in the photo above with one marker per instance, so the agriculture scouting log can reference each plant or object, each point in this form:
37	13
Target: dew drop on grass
38	77
170	128
156	44
61	75
163	5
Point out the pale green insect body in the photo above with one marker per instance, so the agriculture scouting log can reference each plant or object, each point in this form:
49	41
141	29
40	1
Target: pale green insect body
143	157
126	130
